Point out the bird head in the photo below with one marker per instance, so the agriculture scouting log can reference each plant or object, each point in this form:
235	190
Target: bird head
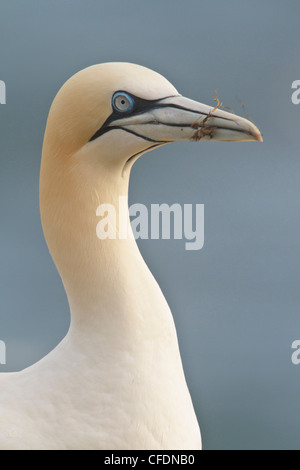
100	122
120	111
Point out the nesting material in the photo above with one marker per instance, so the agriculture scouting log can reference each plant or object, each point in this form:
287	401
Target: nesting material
202	127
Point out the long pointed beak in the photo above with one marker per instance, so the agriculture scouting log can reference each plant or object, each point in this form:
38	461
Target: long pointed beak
177	118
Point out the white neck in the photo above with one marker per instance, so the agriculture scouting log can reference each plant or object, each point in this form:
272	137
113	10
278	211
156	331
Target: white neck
107	281
122	331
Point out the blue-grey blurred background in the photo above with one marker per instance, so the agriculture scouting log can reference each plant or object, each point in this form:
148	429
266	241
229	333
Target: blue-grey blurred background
236	303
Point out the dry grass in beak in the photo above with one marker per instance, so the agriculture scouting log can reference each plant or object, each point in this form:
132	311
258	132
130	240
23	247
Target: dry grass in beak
244	109
205	129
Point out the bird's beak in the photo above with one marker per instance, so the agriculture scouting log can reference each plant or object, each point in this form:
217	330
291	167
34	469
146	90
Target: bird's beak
177	118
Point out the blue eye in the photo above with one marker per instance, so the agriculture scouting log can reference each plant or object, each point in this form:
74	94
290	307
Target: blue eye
122	102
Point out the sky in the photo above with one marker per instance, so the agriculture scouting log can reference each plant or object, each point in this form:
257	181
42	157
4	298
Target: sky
235	302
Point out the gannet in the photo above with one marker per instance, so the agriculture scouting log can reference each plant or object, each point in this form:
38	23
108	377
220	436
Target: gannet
116	380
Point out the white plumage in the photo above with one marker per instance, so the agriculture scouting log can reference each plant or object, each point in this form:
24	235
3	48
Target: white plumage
116	381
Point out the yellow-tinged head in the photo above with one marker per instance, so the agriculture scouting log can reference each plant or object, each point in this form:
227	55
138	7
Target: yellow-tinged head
100	122
109	97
